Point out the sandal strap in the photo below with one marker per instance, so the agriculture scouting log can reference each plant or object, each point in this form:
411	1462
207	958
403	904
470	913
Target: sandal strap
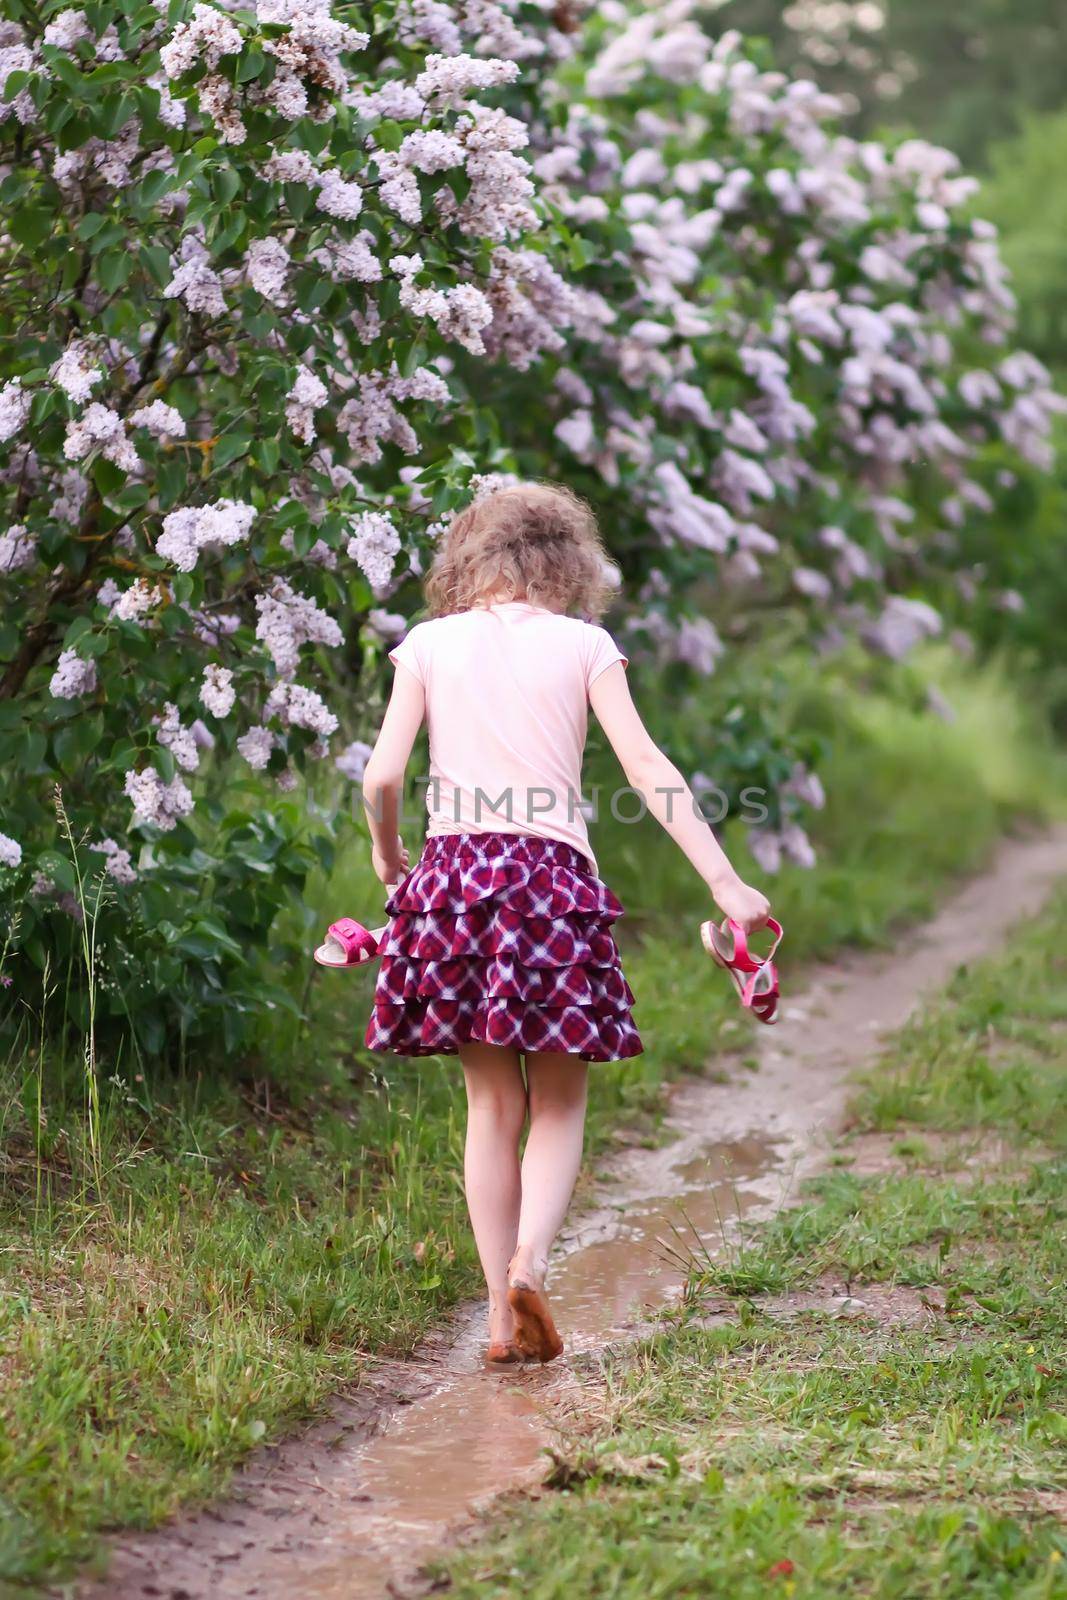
743	959
352	936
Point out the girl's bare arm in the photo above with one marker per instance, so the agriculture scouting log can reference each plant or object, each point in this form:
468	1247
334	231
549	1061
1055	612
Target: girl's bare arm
383	780
670	799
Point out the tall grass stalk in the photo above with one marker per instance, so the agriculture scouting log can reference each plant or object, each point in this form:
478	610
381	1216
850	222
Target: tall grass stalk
88	924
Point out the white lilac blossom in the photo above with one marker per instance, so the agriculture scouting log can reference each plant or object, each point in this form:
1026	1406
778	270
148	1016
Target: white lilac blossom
217	693
15	403
697	643
765	848
194	528
118	863
67	29
297	706
374	545
352	762
386	625
394	102
72	490
206	37
902	625
350	260
100	428
307	394
431	150
16	56
460	313
267	264
290	166
339	198
431	22
161	805
134	602
195	281
173	112
161	420
498	203
77	372
805	786
73	677
372	415
18	548
288	620
179	740
256	746
399	189
445	81
10	851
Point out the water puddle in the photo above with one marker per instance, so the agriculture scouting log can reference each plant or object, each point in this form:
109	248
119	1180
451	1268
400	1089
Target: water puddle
482	1429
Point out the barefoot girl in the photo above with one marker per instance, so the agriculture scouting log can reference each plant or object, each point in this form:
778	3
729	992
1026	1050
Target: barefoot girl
499	948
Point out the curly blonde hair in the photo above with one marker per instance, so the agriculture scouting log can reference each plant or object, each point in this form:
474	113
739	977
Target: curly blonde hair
530	541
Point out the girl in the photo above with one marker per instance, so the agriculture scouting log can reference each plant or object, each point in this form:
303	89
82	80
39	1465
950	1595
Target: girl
499	948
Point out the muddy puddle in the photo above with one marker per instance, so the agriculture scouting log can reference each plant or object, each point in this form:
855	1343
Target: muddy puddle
391	1500
356	1504
485	1428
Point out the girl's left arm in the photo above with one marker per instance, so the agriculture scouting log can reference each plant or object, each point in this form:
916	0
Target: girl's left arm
383	780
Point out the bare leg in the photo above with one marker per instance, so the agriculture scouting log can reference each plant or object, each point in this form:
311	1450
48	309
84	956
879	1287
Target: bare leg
553	1154
496	1112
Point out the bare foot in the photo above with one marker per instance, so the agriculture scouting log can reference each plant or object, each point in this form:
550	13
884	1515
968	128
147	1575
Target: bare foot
501	1323
535	1331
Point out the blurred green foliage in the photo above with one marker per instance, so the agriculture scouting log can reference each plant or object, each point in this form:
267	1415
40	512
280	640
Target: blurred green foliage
963	75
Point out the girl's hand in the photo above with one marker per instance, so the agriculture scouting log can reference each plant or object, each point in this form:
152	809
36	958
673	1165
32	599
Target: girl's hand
390	868
742	904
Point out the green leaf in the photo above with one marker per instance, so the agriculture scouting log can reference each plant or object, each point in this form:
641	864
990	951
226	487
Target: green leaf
225	184
113	269
229	447
154	186
32	224
298	200
164	764
250	65
59	868
267	454
389	135
77	630
114	115
90	224
155	259
107	476
16	81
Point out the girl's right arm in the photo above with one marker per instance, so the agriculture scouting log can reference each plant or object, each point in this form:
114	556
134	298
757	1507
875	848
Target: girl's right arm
383	779
670	799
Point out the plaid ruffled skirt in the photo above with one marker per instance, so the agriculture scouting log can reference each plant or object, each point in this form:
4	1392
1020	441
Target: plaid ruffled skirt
503	938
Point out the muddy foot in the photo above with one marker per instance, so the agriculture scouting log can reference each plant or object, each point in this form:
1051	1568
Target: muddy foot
535	1331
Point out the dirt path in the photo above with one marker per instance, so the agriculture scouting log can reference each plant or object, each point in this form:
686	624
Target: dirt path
351	1506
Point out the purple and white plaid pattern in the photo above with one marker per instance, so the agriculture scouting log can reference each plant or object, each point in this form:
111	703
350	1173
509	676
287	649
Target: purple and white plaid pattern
503	938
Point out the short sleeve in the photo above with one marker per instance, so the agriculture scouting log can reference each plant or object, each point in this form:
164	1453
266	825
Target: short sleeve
601	653
411	653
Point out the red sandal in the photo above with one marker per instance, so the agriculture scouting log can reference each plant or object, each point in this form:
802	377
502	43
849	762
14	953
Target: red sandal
349	944
755	977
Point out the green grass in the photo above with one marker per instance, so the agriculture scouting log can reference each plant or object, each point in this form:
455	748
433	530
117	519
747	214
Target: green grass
258	1230
911	1449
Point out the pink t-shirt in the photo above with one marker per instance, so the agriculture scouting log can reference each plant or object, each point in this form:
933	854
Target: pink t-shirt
507	705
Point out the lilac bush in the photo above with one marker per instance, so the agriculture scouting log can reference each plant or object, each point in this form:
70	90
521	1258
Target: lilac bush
286	283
